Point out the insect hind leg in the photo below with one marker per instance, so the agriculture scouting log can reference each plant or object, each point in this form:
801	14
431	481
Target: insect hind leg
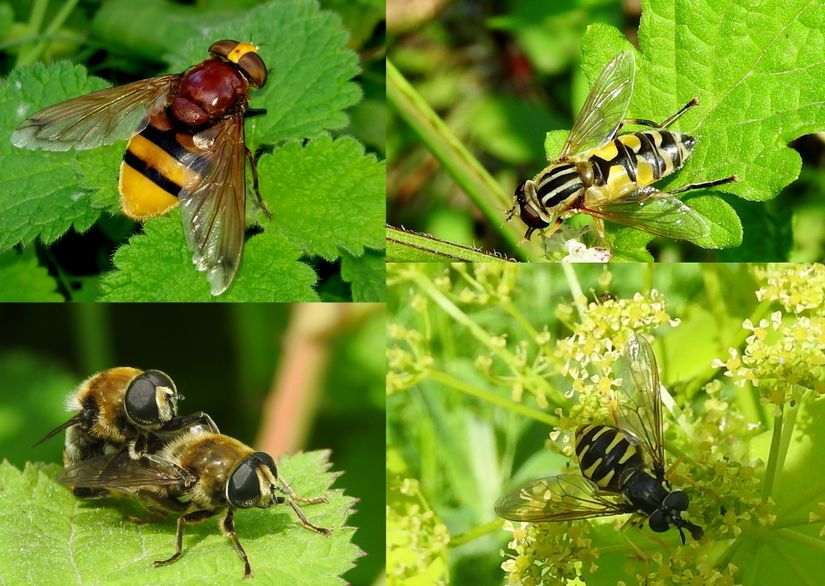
705	184
666	123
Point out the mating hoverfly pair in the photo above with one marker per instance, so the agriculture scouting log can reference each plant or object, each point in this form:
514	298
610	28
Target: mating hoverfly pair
622	467
187	147
609	176
126	439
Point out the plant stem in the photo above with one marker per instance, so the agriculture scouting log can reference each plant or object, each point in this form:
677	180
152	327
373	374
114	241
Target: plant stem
470	175
575	289
475	533
773	457
459	385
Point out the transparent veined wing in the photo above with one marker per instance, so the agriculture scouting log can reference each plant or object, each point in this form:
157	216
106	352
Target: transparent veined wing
655	212
605	107
639	401
120	472
213	209
95	119
563	497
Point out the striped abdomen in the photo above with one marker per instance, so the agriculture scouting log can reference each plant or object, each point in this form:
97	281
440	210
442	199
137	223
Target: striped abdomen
641	158
558	184
157	166
606	456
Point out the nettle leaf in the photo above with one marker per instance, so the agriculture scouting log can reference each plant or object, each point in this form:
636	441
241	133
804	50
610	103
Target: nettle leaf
23	280
366	274
49	535
759	76
157	266
328	196
43	194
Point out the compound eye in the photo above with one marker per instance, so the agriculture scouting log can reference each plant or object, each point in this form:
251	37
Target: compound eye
245	56
657	522
254	68
222	48
676	500
266	460
141	401
243	489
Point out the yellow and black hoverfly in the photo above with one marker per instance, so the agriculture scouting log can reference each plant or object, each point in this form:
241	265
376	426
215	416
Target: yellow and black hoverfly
609	177
622	467
187	147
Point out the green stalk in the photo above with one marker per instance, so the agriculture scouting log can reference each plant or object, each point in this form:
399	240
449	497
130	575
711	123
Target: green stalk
459	385
575	289
475	533
774	456
470	175
37	51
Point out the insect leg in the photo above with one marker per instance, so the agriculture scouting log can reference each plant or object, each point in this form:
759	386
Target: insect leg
228	529
301	517
195	517
666	123
705	184
255	183
250	112
287	490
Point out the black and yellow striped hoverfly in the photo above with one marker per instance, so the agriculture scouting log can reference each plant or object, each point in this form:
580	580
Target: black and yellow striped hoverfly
622	467
186	146
609	177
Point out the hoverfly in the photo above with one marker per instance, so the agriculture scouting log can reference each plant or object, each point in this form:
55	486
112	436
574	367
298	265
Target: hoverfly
622	467
186	147
127	410
196	476
609	177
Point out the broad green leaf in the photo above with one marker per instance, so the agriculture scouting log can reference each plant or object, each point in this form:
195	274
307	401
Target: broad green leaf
366	275
44	194
757	72
327	196
157	266
40	192
50	537
23	280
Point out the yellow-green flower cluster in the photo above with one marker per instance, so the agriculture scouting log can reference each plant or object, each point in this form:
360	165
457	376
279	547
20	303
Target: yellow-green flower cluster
784	355
798	288
589	355
416	540
546	554
408	361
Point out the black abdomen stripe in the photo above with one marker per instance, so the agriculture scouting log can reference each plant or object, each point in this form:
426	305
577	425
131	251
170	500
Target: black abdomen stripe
151	174
605	455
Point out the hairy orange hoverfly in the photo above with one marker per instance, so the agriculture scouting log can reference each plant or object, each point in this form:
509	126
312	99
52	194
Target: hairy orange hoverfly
622	466
609	177
187	147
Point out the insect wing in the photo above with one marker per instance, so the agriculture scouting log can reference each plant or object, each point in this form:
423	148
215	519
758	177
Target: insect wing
655	212
119	471
213	209
605	108
639	404
564	497
95	119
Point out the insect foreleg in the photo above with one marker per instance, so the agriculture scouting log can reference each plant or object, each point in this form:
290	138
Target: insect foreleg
252	164
666	123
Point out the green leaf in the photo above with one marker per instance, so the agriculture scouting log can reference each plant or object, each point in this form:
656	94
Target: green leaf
157	266
41	195
23	280
758	74
58	539
405	246
366	275
328	196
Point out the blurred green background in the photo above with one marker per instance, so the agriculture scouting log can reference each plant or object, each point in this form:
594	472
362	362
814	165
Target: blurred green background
124	41
502	73
224	361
